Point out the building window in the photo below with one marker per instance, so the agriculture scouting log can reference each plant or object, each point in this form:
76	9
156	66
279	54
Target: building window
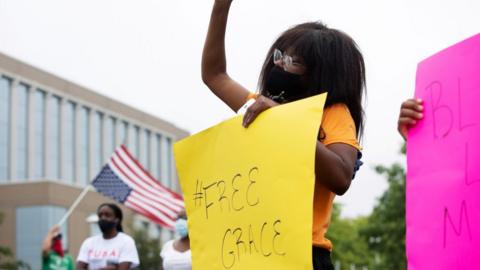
146	150
169	163
124	133
39	135
163	160
155	164
83	145
54	136
158	151
22	131
97	142
110	135
32	224
92	219
5	98
134	142
69	142
137	141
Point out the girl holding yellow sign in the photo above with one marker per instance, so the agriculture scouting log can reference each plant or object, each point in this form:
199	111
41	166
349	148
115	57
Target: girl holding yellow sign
306	60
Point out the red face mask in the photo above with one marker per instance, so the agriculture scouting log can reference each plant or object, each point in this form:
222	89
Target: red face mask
57	246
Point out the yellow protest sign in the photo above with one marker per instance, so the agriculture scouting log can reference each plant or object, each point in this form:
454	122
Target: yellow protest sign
249	192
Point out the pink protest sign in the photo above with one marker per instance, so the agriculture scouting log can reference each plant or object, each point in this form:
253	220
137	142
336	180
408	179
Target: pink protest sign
443	156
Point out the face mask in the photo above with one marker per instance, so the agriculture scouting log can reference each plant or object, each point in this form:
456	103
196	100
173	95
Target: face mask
282	86
106	225
57	246
181	227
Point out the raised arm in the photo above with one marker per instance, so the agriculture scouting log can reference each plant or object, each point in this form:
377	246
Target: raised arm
47	241
214	64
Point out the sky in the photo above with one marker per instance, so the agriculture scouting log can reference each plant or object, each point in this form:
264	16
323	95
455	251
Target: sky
147	54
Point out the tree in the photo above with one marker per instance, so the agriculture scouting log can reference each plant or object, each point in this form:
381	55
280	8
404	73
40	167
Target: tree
148	250
7	261
385	230
349	247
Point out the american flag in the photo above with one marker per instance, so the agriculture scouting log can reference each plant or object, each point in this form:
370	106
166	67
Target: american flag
125	180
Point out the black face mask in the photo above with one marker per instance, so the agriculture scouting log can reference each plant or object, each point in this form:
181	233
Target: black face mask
106	225
282	86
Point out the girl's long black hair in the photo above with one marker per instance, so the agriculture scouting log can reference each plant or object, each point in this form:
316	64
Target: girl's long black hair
334	64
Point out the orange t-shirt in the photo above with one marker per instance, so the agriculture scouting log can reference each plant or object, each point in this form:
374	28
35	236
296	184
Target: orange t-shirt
337	127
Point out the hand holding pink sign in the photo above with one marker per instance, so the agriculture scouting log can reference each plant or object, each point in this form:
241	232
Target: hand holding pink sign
443	153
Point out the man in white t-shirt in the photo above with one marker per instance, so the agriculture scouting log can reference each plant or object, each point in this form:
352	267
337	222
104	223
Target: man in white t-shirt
113	249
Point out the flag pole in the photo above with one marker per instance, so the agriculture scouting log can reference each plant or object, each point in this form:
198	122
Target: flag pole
74	205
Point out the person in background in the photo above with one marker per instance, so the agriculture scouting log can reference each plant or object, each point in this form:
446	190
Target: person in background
113	249
53	255
176	253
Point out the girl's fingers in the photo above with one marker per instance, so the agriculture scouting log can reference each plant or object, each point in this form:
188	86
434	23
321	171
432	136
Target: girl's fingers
252	112
250	115
409	113
405	121
260	105
413	104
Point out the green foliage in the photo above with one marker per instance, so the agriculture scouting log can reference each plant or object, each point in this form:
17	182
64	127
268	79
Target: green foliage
349	247
378	240
386	225
148	250
7	261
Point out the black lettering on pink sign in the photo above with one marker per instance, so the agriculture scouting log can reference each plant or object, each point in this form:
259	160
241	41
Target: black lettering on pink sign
456	224
441	113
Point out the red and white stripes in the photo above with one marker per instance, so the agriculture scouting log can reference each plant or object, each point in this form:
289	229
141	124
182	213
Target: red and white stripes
148	197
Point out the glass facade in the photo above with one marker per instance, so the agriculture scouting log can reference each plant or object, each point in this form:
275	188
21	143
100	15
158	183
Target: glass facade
68	156
123	133
83	145
39	135
146	150
134	142
32	224
155	168
163	161
22	132
59	139
94	229
97	156
160	158
169	163
137	141
5	98
54	135
110	133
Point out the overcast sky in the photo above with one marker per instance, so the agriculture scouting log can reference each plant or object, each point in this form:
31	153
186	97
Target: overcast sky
147	54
